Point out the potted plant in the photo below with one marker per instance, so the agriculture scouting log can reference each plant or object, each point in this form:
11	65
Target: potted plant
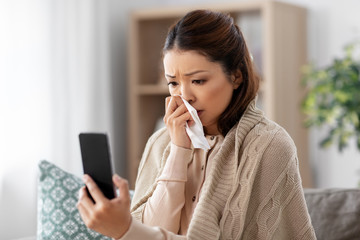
333	99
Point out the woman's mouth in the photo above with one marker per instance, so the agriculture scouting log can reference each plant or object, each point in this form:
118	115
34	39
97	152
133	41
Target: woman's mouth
199	112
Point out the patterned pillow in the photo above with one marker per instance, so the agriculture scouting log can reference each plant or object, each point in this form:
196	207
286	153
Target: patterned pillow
58	217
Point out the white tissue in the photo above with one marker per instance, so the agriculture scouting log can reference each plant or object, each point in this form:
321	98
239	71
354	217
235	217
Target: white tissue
196	131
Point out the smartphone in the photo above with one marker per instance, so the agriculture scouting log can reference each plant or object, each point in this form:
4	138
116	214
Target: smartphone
95	152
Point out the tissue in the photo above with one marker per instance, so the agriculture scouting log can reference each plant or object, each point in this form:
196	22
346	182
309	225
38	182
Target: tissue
196	131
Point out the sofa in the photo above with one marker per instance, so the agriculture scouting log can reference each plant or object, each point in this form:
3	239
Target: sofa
335	213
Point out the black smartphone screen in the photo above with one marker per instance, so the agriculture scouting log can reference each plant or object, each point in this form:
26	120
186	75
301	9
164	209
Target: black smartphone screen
97	162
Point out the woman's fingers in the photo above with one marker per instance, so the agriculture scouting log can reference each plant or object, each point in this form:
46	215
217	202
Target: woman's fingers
181	119
181	110
94	190
175	108
122	185
85	199
191	122
83	204
176	117
172	103
167	101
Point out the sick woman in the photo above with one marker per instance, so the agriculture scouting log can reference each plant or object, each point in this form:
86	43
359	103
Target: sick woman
245	185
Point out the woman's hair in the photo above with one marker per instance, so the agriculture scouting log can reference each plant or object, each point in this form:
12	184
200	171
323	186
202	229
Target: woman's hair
215	35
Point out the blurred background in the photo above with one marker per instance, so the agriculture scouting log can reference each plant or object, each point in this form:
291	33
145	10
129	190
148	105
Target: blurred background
64	70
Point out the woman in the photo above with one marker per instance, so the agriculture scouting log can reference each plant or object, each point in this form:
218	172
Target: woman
246	186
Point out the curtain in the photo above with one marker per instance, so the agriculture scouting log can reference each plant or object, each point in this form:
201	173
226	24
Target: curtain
54	84
81	96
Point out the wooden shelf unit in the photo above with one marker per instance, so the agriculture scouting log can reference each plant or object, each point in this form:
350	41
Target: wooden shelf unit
283	52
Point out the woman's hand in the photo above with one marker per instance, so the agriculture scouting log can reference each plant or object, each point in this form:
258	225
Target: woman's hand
109	217
176	116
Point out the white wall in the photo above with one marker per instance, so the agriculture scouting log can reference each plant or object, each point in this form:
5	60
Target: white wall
27	97
331	25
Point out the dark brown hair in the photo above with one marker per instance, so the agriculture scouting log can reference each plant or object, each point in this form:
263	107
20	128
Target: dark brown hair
215	35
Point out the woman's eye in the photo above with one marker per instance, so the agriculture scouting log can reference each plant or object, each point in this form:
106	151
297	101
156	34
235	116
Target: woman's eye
198	81
172	84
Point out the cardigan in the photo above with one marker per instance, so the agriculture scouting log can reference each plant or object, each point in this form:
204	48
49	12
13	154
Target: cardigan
253	190
179	187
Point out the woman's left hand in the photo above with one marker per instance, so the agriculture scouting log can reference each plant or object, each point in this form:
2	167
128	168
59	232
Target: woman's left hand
112	217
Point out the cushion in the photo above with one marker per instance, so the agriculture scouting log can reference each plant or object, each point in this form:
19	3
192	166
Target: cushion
58	217
335	213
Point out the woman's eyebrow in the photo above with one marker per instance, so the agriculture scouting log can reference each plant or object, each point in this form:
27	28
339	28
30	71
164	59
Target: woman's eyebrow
186	74
168	75
194	72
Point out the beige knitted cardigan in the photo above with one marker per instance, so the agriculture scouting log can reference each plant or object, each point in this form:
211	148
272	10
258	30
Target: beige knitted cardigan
253	190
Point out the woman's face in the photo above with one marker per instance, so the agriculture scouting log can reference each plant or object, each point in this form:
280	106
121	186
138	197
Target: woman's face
201	82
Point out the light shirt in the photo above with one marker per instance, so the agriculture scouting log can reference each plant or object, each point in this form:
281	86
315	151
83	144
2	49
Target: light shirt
177	192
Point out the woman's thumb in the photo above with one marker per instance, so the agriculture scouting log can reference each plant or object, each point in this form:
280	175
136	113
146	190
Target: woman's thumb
121	183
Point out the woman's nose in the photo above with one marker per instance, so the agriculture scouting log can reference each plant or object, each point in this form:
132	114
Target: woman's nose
187	94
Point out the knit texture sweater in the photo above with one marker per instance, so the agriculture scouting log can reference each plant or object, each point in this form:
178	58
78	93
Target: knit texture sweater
253	190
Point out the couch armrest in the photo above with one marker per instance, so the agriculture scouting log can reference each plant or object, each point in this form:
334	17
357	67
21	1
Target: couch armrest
335	213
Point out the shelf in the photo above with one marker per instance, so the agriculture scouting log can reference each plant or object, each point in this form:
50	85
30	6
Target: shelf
171	12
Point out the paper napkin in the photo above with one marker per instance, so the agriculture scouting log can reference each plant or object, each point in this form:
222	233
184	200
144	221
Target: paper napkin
196	131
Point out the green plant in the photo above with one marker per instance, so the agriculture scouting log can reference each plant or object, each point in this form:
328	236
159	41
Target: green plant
333	99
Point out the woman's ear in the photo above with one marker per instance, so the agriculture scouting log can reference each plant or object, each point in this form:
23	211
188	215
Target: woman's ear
236	79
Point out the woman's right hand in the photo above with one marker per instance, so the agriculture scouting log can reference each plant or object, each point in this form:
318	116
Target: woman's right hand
176	117
110	217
